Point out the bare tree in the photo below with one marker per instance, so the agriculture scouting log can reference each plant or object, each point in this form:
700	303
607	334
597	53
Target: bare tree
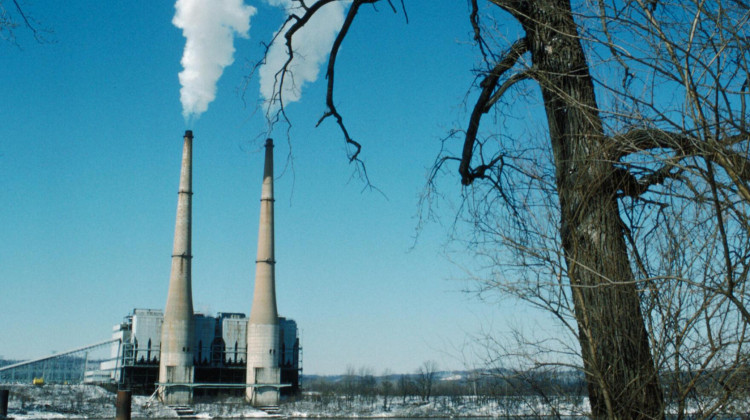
386	387
404	387
425	379
627	219
677	76
349	383
367	385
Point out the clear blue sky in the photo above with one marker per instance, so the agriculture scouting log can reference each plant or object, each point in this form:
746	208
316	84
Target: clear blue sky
90	140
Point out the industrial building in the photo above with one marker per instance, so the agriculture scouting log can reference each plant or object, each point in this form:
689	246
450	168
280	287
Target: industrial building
186	338
220	353
177	352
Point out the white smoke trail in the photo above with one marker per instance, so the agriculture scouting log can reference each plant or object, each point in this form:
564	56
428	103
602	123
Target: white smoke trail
209	27
311	46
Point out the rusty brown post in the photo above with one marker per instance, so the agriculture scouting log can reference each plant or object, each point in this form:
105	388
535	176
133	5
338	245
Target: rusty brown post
4	393
122	406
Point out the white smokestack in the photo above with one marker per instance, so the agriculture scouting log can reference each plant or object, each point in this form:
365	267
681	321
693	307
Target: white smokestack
209	27
311	45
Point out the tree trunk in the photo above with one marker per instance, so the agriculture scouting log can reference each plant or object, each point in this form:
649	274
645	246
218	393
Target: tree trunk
622	379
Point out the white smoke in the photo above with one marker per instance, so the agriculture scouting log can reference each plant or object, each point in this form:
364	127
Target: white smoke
209	27
311	45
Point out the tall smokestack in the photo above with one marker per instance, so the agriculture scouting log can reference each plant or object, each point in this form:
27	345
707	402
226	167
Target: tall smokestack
263	373
176	360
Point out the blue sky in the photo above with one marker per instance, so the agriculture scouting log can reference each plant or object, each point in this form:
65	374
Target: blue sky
90	140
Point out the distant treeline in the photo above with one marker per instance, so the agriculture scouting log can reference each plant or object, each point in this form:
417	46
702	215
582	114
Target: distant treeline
425	384
363	386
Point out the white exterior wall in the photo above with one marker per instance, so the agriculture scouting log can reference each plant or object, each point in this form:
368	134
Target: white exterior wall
234	334
120	332
147	328
112	366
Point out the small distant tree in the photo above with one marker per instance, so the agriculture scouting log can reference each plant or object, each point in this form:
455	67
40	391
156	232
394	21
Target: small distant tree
404	387
386	387
367	385
425	379
349	384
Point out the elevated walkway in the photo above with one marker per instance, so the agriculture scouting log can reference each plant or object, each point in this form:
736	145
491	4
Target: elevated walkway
66	367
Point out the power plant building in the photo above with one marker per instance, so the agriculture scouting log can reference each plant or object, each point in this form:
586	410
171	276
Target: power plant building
258	354
220	355
177	352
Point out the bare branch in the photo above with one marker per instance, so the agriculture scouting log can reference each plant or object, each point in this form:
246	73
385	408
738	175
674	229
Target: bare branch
26	21
330	76
8	24
630	186
488	86
512	80
478	38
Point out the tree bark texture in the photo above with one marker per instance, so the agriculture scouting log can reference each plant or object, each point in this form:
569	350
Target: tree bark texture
620	371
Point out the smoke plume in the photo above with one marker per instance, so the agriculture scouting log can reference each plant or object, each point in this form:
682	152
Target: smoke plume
311	45
209	27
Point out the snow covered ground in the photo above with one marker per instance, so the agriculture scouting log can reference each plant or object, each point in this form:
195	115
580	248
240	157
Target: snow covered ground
29	402
462	406
92	402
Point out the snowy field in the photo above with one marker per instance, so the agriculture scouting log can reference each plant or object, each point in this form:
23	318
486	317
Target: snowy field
29	402
92	402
